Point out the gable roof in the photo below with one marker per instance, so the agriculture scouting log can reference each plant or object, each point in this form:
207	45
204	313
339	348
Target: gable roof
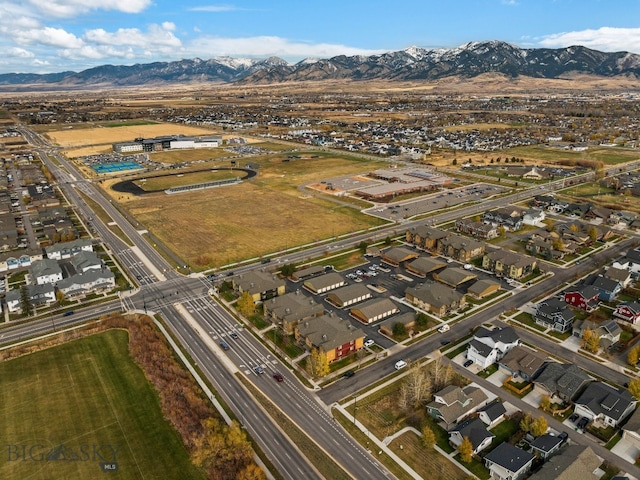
494	410
454	276
564	378
293	306
603	399
502	334
257	281
479	287
435	294
474	430
457	401
523	359
399	254
575	461
348	293
426	264
545	443
509	457
328	332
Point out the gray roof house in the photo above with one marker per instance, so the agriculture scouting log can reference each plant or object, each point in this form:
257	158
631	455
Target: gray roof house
473	429
436	298
64	250
523	362
289	309
260	285
563	380
88	282
493	413
601	402
374	310
45	271
424	265
489	346
554	313
546	445
574	462
84	261
506	462
324	283
38	295
453	403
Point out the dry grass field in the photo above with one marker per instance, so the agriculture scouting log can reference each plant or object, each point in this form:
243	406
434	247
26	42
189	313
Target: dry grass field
267	214
101	135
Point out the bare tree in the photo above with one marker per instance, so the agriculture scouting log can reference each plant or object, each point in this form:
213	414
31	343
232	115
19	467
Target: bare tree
418	384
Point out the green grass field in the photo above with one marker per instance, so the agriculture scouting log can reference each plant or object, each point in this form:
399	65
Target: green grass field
76	397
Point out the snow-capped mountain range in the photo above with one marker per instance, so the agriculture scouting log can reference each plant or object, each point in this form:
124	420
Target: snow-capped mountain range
413	63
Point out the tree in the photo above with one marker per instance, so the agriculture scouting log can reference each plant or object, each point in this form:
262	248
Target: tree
60	297
632	356
288	269
422	320
634	388
551	225
466	450
25	301
387	241
558	244
545	402
501	231
574	228
455	162
246	305
525	423
399	329
318	363
418	384
362	247
591	341
593	233
539	426
428	437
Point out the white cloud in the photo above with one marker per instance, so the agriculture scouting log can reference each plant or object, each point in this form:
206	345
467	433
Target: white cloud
72	8
607	39
156	37
509	2
215	8
265	46
54	37
17	52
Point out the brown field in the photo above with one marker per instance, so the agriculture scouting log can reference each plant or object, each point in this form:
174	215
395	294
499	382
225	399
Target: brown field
214	227
162	183
86	151
426	462
96	136
191	155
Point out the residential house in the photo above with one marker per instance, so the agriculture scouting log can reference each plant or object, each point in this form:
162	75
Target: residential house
605	404
435	298
630	262
564	381
290	309
629	312
608	288
584	297
45	271
493	413
554	313
509	218
424	237
452	403
374	310
533	217
546	445
324	283
475	431
609	331
506	462
523	362
408	319
60	251
477	229
259	284
85	261
620	275
398	255
349	295
489	346
460	248
423	266
38	295
483	288
505	263
332	336
574	462
90	282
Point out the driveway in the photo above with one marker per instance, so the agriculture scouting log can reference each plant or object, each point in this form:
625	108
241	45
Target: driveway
625	449
498	378
533	398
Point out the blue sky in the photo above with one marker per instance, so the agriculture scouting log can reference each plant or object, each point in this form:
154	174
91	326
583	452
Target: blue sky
57	35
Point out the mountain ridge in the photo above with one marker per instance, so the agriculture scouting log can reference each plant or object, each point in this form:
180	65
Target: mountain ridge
411	64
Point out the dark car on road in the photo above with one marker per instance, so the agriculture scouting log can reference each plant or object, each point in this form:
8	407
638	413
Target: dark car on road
445	342
278	377
224	345
234	335
349	374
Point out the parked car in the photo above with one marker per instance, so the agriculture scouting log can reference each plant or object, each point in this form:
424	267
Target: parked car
369	343
582	424
573	417
468	363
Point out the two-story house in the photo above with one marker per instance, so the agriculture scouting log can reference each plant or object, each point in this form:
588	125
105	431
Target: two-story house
629	312
603	403
473	429
584	297
554	313
452	403
505	263
507	462
489	346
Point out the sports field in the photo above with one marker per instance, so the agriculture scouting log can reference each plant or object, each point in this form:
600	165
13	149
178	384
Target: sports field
267	214
67	409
